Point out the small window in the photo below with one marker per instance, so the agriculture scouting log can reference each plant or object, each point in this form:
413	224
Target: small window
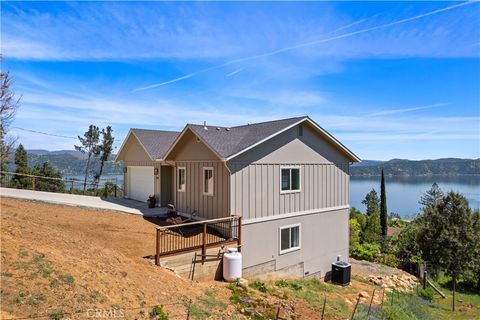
290	180
289	238
181	179
208	181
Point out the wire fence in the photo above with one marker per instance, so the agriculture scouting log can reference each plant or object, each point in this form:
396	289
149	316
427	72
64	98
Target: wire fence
105	188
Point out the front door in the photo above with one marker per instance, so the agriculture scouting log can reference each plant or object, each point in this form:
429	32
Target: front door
166	185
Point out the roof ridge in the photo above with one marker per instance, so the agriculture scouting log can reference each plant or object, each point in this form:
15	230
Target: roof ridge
270	121
143	129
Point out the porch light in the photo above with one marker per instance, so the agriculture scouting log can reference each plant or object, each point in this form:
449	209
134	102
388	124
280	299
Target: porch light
155	171
124	169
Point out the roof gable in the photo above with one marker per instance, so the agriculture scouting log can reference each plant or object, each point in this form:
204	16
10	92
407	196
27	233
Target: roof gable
154	142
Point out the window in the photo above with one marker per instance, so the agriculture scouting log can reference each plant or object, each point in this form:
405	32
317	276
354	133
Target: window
300	131
181	179
290	180
208	181
289	238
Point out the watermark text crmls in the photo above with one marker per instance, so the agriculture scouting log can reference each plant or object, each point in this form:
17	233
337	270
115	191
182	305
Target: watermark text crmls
105	313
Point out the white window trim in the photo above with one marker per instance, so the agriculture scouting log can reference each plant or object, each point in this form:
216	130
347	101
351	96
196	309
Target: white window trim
203	181
178	180
299	179
299	225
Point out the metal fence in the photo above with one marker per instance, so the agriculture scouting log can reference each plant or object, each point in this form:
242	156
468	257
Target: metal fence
188	237
60	185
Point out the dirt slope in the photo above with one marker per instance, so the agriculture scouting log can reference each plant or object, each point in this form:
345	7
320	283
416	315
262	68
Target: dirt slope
65	259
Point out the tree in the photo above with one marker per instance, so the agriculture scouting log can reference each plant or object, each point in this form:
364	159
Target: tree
432	197
9	105
372	202
383	207
52	185
21	162
89	145
447	236
105	151
372	231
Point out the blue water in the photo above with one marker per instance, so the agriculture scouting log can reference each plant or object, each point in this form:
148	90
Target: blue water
403	193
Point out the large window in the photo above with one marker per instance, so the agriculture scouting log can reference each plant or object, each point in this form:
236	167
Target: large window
181	179
289	238
208	181
290	180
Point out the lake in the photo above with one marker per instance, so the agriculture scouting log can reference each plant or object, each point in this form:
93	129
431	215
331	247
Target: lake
403	193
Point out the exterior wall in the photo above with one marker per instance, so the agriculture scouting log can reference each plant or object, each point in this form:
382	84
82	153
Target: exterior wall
323	236
256	176
207	206
194	155
133	151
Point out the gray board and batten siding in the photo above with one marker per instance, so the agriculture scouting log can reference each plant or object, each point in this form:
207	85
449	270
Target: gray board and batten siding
256	176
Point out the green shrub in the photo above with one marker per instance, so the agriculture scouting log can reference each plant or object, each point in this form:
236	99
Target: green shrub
259	285
159	313
426	294
388	259
57	315
366	251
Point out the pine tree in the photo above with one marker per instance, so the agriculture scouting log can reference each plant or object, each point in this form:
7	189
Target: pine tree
89	145
21	162
383	207
432	197
105	148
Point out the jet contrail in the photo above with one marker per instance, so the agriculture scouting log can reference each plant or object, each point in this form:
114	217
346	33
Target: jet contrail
306	44
394	111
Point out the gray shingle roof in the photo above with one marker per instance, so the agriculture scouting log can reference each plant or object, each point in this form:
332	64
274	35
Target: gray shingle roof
229	141
156	142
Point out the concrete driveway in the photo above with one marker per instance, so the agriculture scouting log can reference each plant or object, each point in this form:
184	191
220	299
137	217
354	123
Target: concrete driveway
118	204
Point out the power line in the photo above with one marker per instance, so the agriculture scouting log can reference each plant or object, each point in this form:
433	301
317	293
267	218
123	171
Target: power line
44	133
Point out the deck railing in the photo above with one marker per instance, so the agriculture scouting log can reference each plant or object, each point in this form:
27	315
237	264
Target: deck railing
198	235
60	185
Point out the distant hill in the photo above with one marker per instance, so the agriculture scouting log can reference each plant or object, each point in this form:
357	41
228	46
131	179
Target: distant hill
68	162
404	167
71	162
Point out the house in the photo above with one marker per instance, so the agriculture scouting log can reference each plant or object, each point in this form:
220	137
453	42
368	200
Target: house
288	179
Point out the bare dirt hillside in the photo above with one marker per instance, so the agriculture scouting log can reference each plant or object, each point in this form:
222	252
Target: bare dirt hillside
58	259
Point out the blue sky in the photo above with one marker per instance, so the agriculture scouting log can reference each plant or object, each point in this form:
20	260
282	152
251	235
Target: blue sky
390	80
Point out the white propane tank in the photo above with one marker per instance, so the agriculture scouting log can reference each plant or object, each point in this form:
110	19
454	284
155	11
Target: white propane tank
232	265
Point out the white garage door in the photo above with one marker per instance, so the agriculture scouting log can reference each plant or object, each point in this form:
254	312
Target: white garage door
141	182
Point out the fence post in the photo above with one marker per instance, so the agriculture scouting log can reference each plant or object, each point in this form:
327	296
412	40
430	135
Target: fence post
370	306
239	241
323	309
157	248
71	186
115	189
189	307
204	242
33	183
355	309
424	279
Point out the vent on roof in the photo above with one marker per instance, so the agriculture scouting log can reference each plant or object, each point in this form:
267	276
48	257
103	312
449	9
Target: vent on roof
228	129
205	125
218	129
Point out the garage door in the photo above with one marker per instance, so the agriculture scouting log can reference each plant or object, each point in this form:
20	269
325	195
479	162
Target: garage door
141	180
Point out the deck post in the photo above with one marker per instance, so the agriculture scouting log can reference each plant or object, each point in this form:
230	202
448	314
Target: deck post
157	249
204	242
239	240
33	183
71	187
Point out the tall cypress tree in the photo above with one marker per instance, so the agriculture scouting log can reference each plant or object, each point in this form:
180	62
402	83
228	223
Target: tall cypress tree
383	207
